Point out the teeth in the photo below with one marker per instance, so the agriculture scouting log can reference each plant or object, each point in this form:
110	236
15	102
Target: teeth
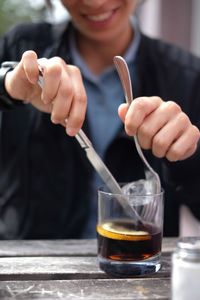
101	17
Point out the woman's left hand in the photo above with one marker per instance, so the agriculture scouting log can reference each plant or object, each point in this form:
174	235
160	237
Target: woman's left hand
160	126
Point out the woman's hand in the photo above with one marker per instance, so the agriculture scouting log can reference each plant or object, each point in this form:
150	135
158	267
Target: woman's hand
63	94
160	126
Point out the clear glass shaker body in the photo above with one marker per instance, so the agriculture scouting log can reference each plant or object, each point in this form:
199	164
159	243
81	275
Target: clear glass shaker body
185	282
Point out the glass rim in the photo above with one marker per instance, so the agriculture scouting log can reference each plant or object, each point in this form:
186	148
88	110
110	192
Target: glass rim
102	190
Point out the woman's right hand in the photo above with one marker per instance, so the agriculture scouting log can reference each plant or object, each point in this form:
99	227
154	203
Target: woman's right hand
63	94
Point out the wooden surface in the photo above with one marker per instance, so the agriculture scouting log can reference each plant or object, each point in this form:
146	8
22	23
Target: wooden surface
68	269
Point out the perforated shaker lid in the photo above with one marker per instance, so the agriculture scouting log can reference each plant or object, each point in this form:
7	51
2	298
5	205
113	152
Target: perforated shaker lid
189	243
189	248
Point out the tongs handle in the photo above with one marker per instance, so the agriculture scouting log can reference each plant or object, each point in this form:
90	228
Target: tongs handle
125	78
101	168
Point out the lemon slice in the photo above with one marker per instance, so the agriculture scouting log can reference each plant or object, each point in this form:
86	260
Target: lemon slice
119	231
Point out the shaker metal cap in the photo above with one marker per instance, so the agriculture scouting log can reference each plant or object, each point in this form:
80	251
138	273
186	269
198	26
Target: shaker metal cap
189	243
189	248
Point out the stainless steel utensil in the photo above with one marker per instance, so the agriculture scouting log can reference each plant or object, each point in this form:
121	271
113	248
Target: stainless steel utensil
101	168
125	78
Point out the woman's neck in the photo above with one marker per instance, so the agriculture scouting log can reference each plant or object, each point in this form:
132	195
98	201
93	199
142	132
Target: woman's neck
99	55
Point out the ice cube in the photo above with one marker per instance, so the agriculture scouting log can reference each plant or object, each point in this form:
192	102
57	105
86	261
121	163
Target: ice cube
140	188
140	192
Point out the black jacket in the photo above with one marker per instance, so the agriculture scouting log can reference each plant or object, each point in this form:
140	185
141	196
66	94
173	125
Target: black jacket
44	174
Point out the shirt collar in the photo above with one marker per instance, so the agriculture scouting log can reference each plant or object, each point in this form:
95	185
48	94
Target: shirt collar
129	55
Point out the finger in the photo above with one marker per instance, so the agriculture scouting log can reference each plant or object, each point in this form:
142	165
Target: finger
139	109
122	111
30	66
187	154
51	71
171	132
70	101
78	108
21	82
63	99
185	145
156	120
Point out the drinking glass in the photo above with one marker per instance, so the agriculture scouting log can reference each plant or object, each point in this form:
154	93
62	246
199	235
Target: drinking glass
127	245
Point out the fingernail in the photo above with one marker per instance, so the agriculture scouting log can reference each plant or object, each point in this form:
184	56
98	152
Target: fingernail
71	131
54	120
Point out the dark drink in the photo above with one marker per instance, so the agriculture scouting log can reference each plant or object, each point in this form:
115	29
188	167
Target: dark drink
122	240
129	246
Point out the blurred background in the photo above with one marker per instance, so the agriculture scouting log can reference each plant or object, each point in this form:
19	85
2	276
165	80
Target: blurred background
176	21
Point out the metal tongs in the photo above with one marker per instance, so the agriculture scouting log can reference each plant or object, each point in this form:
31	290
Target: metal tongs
125	78
93	157
100	167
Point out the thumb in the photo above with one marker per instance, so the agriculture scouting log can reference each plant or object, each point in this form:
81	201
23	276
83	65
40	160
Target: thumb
122	111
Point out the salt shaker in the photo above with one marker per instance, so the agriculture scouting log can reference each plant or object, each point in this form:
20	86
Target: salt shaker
185	284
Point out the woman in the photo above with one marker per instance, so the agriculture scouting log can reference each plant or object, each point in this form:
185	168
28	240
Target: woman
48	185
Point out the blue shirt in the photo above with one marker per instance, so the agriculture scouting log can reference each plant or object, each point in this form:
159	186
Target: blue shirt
104	94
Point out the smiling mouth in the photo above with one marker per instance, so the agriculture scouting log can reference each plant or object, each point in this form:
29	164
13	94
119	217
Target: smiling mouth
101	17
